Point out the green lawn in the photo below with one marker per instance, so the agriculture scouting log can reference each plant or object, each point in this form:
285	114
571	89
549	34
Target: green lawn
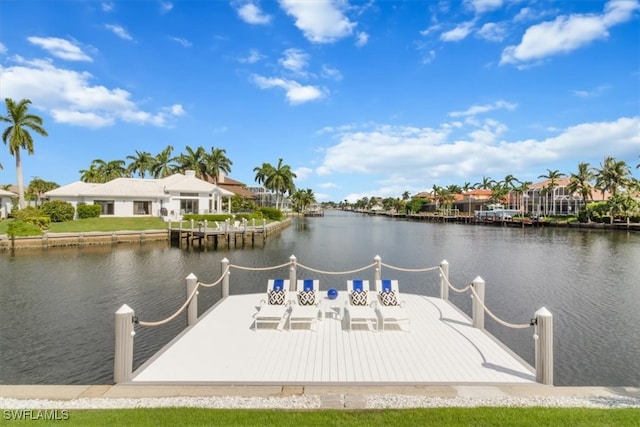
488	416
101	224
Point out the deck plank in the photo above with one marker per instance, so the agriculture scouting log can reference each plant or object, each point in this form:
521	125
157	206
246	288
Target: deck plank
441	347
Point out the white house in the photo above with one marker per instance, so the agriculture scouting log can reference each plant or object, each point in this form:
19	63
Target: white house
169	197
5	202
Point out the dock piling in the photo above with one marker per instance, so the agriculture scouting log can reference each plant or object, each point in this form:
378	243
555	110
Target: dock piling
478	303
544	346
123	356
444	280
292	272
192	313
377	271
224	265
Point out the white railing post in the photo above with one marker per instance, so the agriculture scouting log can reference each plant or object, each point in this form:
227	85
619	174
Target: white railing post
225	280
253	223
205	227
478	301
444	280
123	356
264	224
292	272
544	346
192	310
377	270
192	224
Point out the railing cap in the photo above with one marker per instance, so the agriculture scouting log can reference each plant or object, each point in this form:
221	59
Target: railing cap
478	279
444	262
543	312
191	276
125	309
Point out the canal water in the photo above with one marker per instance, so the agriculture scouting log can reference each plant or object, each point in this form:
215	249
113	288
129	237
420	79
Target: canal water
57	305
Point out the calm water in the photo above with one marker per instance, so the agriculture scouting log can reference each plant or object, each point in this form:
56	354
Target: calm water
57	306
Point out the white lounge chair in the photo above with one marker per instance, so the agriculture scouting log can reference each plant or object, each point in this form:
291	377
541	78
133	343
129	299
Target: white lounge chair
389	307
305	308
274	308
359	304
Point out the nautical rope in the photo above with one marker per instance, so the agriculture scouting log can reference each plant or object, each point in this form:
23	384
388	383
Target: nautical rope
336	272
217	282
259	268
174	315
502	322
410	270
186	303
454	289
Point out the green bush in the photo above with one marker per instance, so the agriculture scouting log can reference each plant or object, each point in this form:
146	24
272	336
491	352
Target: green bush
223	217
59	211
89	211
19	228
271	213
23	214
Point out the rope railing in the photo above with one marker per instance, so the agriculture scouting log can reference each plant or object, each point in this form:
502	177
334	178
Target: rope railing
239	267
496	318
453	288
186	303
410	270
336	272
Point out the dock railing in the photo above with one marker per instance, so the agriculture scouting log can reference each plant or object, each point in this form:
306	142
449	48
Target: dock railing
125	319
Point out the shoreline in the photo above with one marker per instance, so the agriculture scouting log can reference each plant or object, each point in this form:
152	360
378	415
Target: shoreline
341	396
92	238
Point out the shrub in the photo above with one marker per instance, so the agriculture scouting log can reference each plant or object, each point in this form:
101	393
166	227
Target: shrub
23	214
59	211
271	213
89	211
19	228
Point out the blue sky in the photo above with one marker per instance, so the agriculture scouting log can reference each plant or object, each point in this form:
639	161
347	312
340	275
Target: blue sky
360	98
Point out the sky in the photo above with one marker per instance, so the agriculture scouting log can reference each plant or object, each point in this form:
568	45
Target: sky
360	98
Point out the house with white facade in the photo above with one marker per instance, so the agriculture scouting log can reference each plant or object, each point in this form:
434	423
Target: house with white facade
5	202
169	197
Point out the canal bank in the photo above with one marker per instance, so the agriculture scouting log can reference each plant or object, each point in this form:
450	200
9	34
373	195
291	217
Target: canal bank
90	238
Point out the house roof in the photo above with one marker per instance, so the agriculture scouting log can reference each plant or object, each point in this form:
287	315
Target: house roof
237	189
5	193
73	189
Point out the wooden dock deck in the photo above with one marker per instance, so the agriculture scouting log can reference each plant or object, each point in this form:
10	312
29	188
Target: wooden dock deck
442	347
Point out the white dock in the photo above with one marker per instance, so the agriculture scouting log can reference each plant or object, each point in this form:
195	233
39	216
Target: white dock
442	347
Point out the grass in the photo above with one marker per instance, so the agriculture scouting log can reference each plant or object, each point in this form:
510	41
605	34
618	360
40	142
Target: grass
100	224
484	416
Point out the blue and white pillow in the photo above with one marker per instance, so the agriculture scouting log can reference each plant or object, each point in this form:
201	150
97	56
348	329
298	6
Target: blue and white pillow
358	297
307	297
388	298
276	297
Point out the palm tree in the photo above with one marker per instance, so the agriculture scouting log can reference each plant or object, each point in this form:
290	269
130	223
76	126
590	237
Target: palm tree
262	173
193	160
163	164
580	182
508	182
38	186
216	162
280	180
17	135
106	171
485	184
552	176
612	175
466	188
140	163
91	175
521	190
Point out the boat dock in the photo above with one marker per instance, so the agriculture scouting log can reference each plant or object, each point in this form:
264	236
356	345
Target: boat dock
239	233
442	346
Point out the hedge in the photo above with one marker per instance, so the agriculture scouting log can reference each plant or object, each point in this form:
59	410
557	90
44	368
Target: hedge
89	211
59	211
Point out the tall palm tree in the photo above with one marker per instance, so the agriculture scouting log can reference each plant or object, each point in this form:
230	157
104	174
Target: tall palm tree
140	163
521	190
17	135
281	181
91	175
580	182
552	176
508	182
612	175
262	173
163	164
110	170
216	162
193	160
466	188
485	184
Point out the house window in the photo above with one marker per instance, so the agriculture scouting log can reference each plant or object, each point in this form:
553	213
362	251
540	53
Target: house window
141	207
189	205
106	205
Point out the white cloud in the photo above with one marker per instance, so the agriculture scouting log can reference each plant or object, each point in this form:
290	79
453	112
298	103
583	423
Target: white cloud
108	6
321	21
439	154
295	92
568	33
492	32
428	56
253	57
165	6
302	173
481	6
431	29
481	109
331	73
118	31
60	48
327	185
182	41
361	39
458	33
3	49
593	93
295	60
252	14
71	98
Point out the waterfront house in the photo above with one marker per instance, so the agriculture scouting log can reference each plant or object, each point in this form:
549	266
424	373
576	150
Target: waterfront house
5	202
169	197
